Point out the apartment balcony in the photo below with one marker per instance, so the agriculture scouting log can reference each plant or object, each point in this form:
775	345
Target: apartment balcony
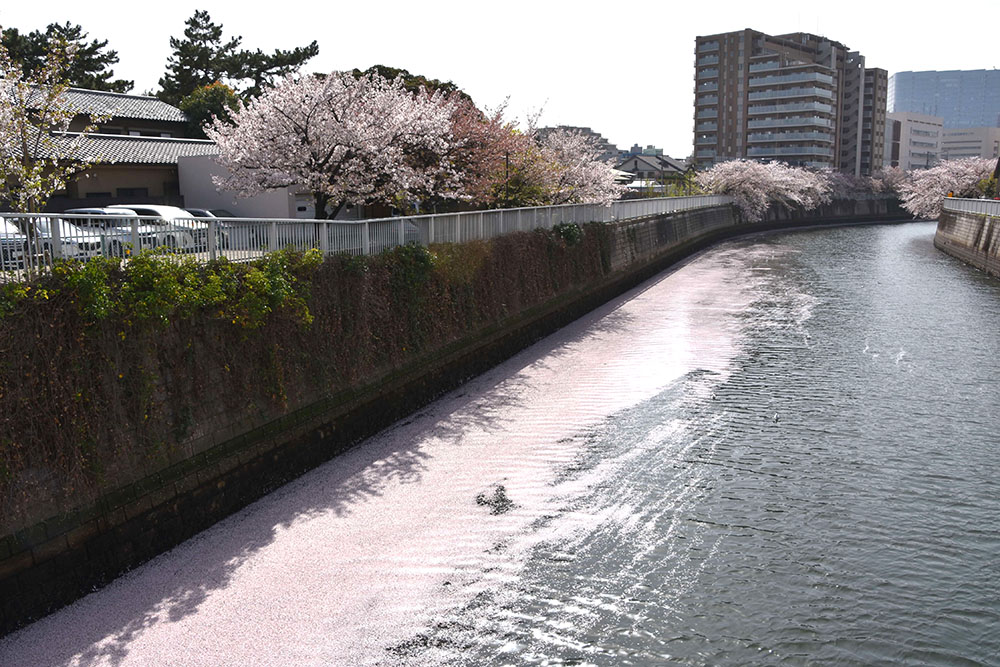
706	99
705	152
710	73
708	60
706	113
764	67
706	141
778	79
765	137
790	93
708	46
809	121
784	151
710	126
706	86
787	108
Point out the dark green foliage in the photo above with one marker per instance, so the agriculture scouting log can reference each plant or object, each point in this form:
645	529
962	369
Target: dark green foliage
91	66
570	232
207	102
203	58
413	82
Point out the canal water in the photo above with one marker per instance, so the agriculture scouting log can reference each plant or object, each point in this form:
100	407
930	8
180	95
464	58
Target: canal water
784	451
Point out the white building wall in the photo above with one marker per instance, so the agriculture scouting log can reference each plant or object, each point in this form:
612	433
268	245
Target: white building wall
919	140
971	142
196	186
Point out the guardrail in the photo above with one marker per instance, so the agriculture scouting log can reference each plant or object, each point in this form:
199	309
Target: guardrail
983	206
30	243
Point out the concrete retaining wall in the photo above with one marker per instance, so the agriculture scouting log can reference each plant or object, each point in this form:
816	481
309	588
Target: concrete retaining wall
53	562
973	238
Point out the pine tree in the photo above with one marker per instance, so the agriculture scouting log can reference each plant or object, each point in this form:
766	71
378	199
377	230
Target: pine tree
203	58
92	63
200	59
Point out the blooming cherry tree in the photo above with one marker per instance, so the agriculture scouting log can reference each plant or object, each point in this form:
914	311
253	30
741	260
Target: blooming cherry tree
923	192
484	144
574	174
346	139
755	185
888	180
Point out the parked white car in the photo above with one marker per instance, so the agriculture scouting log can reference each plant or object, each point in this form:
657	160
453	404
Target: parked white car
115	229
59	239
13	244
178	228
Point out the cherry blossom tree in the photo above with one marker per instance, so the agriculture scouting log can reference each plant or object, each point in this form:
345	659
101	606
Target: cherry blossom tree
574	173
888	180
847	186
37	153
755	185
561	167
346	139
484	143
923	192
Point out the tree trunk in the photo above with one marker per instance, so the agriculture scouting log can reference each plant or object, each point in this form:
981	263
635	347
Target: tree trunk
320	200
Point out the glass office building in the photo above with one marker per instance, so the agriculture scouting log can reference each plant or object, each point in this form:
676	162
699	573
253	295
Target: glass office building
962	98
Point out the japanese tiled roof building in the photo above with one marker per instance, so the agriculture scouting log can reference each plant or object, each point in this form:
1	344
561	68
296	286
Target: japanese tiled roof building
134	150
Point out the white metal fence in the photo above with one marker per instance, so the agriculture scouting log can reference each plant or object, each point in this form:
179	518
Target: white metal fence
32	242
983	206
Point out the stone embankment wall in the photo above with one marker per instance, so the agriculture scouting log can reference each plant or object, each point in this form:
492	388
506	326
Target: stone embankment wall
55	552
973	238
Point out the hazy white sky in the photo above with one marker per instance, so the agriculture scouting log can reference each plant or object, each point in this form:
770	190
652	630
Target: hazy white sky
624	69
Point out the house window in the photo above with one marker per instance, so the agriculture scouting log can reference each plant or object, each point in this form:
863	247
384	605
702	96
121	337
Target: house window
132	192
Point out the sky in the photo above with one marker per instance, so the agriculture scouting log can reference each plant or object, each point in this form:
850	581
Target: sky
624	69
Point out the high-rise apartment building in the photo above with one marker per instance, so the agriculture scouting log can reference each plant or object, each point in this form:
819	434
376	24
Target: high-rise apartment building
798	98
962	98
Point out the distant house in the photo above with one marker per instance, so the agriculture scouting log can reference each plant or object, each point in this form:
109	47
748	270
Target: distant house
652	167
136	151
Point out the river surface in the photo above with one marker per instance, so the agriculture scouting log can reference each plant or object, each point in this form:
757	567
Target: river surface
784	451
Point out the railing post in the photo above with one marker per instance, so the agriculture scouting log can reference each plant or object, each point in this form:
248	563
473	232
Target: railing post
481	231
213	240
430	230
366	241
56	238
402	232
324	238
135	236
272	237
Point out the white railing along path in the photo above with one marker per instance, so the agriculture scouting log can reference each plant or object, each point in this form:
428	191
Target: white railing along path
32	242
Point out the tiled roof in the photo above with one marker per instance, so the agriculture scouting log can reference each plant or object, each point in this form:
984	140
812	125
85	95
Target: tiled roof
122	106
138	150
652	163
